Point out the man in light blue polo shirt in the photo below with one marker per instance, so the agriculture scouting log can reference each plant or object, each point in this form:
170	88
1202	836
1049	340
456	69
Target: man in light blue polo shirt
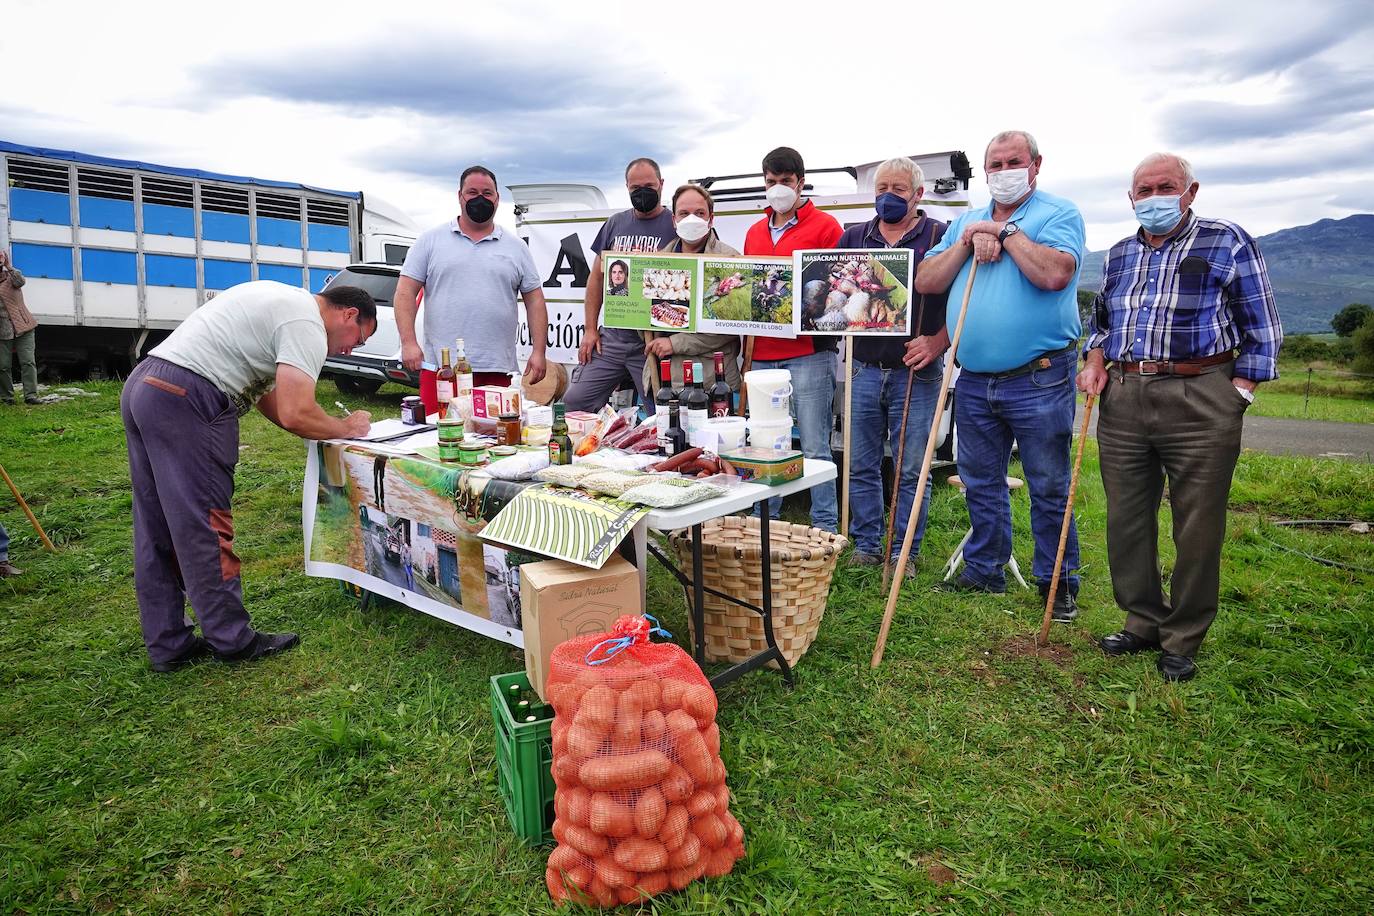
470	270
1018	355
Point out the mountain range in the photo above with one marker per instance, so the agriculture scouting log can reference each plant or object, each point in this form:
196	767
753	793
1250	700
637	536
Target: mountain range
1316	270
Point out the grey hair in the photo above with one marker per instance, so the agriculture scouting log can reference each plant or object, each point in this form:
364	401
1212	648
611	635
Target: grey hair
1151	159
1010	135
906	166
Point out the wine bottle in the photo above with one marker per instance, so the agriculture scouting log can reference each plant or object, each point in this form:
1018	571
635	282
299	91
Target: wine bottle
462	385
697	402
665	394
445	383
677	436
721	397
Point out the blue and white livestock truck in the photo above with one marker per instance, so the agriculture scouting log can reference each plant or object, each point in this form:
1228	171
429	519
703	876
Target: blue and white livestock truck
117	252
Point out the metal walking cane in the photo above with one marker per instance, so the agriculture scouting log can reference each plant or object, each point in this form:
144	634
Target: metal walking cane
925	473
1044	636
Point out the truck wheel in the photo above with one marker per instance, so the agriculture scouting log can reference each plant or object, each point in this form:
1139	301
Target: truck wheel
356	386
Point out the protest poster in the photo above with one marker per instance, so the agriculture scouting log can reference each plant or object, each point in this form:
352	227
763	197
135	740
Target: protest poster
650	292
853	291
747	296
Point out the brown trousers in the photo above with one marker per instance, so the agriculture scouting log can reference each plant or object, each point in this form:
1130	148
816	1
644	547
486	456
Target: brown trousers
1186	430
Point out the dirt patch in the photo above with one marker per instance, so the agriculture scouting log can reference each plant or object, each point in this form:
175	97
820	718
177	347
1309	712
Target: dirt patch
1024	646
938	872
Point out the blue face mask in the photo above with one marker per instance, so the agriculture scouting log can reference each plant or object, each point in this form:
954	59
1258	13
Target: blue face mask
1158	215
892	208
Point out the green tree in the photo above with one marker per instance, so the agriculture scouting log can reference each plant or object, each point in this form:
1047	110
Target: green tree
1305	348
1363	339
1351	318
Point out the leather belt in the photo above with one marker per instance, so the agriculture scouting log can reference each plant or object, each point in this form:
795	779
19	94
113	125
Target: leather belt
1040	362
1175	366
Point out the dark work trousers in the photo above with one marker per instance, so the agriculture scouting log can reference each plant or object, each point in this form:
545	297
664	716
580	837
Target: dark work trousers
1186	429
183	437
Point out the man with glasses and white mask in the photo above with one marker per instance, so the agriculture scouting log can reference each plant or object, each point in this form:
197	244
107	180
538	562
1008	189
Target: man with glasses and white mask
1018	354
1183	331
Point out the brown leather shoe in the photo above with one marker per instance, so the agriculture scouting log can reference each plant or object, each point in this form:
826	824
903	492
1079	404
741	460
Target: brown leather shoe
8	569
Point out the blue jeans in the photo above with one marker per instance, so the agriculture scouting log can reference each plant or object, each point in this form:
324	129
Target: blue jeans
4	544
1036	410
813	398
875	413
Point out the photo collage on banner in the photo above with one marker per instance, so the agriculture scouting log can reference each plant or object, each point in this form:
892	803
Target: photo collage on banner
650	292
853	292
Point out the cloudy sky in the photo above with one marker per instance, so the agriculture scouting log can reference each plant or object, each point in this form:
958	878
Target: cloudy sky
1273	103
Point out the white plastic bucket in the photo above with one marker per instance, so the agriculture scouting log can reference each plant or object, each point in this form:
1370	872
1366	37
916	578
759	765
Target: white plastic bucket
770	393
727	432
774	434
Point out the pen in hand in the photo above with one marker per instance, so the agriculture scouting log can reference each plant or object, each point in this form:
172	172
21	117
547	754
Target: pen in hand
339	404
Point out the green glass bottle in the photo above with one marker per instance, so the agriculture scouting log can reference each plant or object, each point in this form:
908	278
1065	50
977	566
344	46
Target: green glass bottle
560	445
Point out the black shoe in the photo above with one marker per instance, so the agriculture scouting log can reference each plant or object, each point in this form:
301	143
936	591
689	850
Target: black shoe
965	585
1126	643
1065	604
199	649
32	399
1176	667
263	645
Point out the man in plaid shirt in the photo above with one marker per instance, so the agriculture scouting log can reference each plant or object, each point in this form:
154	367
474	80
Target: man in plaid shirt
1183	331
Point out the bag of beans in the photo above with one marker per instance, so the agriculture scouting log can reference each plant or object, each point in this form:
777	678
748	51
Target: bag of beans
641	803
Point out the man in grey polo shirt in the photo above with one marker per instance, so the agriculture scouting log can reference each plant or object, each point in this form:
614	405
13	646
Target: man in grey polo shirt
470	270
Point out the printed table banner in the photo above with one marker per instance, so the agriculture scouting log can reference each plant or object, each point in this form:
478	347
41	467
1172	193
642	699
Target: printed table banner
566	524
858	291
650	292
747	296
407	529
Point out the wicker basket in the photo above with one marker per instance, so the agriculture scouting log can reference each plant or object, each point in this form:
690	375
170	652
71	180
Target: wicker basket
803	560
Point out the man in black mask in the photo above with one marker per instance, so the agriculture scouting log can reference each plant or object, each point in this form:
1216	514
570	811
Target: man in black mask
607	355
470	271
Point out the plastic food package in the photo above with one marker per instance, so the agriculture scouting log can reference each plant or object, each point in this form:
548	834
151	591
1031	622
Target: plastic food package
614	460
612	483
669	493
565	475
520	466
641	803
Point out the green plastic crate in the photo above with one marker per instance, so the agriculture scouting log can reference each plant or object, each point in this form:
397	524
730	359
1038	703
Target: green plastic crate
524	761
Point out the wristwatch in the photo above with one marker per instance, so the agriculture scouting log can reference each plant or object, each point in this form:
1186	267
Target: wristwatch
1007	232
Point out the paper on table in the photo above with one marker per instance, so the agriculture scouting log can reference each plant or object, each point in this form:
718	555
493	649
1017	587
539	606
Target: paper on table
391	428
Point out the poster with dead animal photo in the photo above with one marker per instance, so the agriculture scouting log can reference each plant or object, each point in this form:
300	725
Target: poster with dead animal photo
650	292
853	291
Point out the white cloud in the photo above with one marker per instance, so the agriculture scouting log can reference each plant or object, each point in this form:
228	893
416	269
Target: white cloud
395	101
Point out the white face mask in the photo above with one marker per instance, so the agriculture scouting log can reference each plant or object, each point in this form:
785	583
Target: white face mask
692	228
1009	185
781	198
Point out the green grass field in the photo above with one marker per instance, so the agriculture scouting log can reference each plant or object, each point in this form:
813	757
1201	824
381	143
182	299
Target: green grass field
1327	393
356	774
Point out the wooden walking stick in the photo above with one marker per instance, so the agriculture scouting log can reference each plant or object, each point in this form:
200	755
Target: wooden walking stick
886	545
27	511
848	404
900	571
1044	637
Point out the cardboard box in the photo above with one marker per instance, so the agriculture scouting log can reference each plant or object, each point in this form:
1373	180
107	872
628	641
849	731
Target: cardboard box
559	601
580	422
490	401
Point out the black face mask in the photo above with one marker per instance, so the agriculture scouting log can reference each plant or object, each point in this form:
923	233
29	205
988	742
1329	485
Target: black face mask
479	209
645	200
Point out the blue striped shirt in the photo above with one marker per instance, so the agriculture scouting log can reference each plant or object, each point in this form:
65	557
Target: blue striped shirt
1203	292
